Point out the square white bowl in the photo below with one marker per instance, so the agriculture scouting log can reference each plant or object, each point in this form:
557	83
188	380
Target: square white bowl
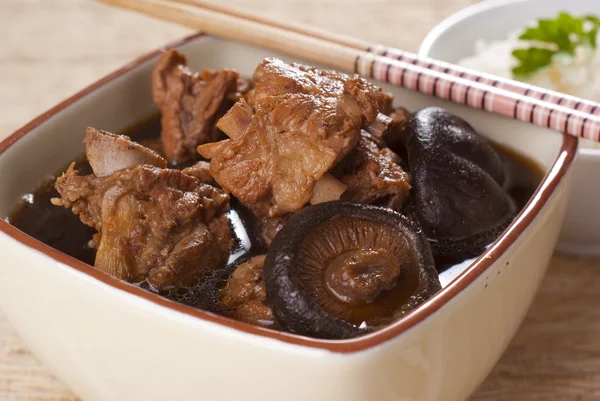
110	340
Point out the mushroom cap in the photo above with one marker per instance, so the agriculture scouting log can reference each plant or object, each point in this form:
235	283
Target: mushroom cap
457	179
305	256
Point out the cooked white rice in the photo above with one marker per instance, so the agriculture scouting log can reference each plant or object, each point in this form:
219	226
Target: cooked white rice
578	76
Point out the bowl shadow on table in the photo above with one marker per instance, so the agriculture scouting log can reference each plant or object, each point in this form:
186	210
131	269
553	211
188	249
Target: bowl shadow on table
555	354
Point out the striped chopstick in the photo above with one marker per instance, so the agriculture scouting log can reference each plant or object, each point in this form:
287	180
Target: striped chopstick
568	101
567	114
484	93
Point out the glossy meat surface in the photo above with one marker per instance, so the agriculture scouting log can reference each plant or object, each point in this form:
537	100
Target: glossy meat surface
245	293
301	123
200	170
372	174
190	103
157	224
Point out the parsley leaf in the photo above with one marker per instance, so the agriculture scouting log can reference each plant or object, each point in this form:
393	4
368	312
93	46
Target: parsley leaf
531	60
561	35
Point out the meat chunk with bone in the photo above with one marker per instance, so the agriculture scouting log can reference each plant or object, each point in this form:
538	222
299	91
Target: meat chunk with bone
245	293
191	103
372	174
157	224
301	123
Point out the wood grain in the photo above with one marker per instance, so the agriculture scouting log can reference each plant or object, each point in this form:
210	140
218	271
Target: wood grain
51	48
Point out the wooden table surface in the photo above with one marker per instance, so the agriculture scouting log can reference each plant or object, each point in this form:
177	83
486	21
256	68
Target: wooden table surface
51	48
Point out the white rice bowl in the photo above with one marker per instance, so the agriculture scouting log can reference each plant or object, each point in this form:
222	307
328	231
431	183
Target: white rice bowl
578	76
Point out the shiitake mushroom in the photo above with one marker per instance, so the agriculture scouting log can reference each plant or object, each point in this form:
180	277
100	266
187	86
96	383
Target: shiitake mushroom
457	179
340	269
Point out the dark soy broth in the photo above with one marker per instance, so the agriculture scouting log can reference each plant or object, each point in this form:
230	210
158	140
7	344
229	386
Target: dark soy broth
59	228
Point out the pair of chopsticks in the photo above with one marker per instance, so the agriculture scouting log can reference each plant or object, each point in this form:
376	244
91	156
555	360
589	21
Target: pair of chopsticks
563	113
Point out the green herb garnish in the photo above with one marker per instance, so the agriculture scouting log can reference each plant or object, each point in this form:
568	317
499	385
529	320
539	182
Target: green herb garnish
559	36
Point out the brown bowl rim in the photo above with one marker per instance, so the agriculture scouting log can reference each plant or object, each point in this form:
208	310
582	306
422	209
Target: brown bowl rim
541	196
